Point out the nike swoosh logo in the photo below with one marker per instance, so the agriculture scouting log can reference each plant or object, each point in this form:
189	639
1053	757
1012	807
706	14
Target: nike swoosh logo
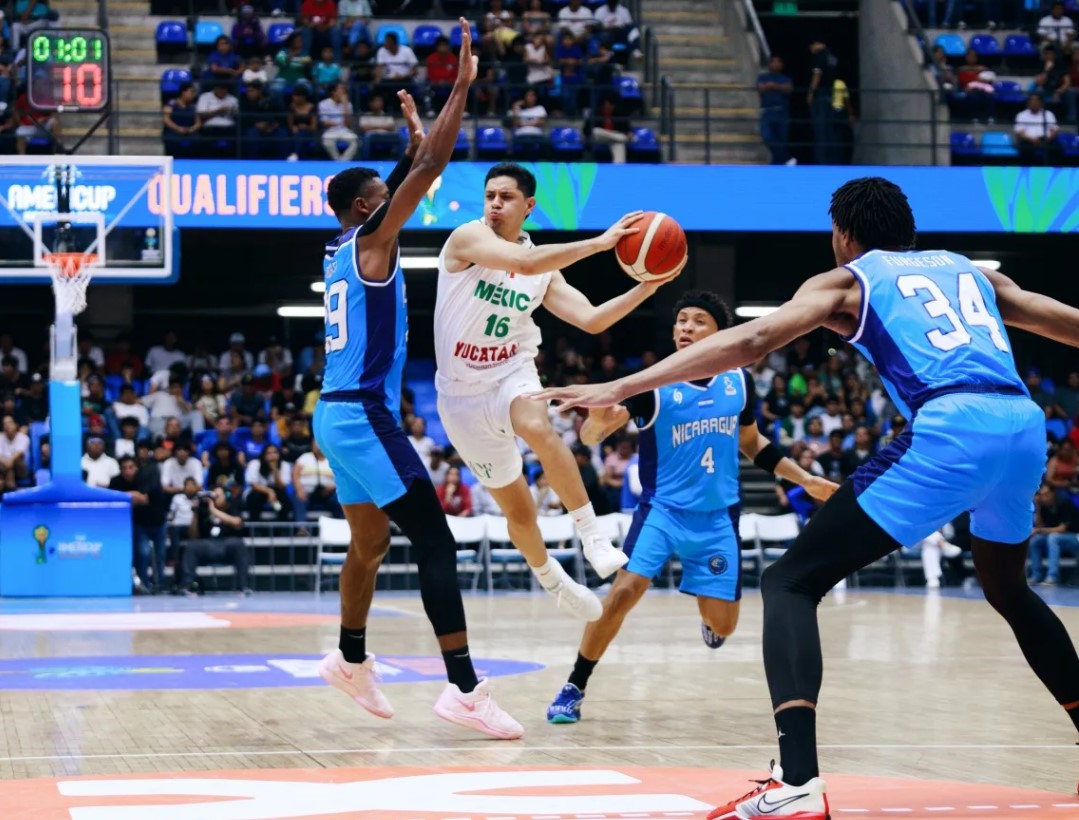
765	806
344	672
469	706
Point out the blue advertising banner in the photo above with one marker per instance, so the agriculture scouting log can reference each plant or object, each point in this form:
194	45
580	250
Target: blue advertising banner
587	196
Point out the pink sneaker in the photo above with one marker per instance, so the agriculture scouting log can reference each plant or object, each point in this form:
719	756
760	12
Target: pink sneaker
477	710
357	680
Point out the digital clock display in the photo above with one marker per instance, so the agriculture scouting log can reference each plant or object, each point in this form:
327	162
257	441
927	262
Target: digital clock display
69	70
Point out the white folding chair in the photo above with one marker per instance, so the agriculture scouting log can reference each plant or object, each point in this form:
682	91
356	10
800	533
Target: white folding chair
747	533
470	533
333	533
558	530
776	529
498	533
610	526
625	521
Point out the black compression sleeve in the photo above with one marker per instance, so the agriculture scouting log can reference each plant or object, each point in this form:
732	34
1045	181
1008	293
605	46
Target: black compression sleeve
641	407
398	174
749	412
768	458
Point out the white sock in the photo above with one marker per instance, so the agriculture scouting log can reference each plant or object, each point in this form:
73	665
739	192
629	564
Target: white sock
585	519
550	574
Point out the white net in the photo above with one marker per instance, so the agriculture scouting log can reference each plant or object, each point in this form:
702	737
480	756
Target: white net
71	273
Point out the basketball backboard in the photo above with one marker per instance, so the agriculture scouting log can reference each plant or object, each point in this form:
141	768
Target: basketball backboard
116	207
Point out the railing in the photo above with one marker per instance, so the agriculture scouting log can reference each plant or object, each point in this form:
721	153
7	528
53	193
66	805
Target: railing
914	26
754	24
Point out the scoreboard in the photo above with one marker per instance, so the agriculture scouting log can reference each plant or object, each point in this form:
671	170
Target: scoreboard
68	70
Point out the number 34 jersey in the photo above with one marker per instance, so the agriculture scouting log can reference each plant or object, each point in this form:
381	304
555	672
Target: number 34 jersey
688	456
929	320
484	331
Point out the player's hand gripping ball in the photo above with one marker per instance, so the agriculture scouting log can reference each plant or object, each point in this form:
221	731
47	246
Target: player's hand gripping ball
657	252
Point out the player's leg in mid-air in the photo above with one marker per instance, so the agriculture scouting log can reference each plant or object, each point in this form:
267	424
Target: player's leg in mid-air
380	478
531	422
712	570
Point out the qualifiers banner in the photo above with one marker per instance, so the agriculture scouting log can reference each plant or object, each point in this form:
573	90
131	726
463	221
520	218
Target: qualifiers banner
587	196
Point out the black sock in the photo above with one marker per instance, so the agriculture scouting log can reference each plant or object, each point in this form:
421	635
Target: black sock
459	669
582	671
353	644
797	744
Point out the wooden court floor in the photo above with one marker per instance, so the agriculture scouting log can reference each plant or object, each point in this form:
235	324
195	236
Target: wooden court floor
928	709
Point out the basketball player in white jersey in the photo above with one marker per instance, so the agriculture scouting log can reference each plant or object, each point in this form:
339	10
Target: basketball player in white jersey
491	279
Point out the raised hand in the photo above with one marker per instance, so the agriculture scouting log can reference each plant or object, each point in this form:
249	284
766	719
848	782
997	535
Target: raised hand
412	120
582	395
621	228
820	488
470	65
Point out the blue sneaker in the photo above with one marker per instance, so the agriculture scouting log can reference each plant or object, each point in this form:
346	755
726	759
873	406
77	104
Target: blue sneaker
710	638
567	706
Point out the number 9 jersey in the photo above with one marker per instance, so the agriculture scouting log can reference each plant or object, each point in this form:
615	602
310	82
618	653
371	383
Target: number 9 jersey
929	321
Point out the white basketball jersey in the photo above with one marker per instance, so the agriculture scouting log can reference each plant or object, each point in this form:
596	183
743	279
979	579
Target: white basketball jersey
484	330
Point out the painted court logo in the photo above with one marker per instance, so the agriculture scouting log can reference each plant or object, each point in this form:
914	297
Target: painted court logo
41	535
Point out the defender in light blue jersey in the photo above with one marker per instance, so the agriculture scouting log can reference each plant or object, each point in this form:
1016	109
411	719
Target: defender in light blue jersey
933	323
358	426
690	438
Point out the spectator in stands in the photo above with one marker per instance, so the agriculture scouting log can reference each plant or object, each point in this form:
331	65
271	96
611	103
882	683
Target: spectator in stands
529	115
576	18
536	20
792	497
129	406
375	121
88	350
293	63
180	467
302	124
319	21
314	485
32	124
361	72
614	472
297	442
582	454
11	380
256	440
8	348
165	355
1057	28
181	512
1036	132
815	437
127	443
335	117
268	479
262	123
245	405
231	375
496	12
776	404
832	460
225	467
396	68
166	443
215	536
897	428
355	16
248	36
255	72
1056	522
933	547
121	354
546	499
7	130
442	65
30	16
277	356
616	26
454	496
438	467
775	89
14	453
35	399
570	58
1067	397
222	435
326	73
98	468
861	453
222	65
237	342
217	112
170	403
819	99
1060	472
1053	82
422	443
147	523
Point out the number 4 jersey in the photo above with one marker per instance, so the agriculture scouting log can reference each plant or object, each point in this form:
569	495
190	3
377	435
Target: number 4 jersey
484	330
929	321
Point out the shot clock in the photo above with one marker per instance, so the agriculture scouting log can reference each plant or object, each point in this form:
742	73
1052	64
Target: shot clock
69	70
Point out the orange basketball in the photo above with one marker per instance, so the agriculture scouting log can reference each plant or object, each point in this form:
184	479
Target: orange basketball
656	252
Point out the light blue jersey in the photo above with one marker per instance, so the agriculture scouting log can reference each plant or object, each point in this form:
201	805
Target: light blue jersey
929	321
689	447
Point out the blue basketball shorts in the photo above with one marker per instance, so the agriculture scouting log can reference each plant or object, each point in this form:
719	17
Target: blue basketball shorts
705	542
370	455
964	451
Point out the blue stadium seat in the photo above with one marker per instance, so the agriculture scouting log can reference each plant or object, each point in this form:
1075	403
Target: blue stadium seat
419	369
467	477
644	147
567	144
171	80
455	36
530	147
1057	428
953	46
964	148
1069	144
998	144
1009	92
491	143
206	34
277	33
1019	45
423	40
171	39
463	147
629	88
987	48
394	28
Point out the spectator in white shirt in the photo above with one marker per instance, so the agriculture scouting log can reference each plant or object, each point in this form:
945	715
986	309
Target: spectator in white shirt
268	479
163	356
127	444
236	345
617	25
1036	132
170	403
88	350
1056	27
7	348
182	511
547	501
538	58
277	356
100	469
396	67
14	448
483	503
217	112
176	470
437	466
128	406
421	442
576	18
529	116
314	485
335	117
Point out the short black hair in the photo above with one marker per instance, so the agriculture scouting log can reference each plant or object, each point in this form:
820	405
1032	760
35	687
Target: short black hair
522	176
708	301
348	186
875	213
124	459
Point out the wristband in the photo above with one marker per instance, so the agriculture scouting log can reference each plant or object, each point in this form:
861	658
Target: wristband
768	458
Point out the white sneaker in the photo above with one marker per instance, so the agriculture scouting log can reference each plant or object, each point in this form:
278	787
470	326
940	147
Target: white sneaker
774	798
576	599
357	680
605	558
932	583
949	550
477	710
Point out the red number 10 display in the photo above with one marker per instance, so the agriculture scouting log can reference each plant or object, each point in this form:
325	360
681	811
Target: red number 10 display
68	70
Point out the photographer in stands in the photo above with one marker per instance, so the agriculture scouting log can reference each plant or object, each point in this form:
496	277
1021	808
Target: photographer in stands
215	536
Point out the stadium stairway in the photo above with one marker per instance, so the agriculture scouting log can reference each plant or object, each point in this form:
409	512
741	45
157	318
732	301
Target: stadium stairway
137	111
702	45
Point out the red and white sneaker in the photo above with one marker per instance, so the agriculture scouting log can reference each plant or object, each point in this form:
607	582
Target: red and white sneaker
774	798
477	710
357	680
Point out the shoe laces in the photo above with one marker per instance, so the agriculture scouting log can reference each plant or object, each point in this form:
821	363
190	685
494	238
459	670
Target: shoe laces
762	785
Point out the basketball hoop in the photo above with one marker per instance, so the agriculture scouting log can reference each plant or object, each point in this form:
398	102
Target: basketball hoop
71	273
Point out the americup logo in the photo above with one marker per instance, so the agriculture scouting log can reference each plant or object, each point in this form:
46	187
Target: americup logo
80	547
41	535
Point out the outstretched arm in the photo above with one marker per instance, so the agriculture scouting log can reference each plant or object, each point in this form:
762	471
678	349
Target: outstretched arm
1034	311
572	306
767	456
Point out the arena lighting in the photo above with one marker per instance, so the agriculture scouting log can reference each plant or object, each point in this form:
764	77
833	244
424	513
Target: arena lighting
318	287
419	262
992	264
754	311
301	311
